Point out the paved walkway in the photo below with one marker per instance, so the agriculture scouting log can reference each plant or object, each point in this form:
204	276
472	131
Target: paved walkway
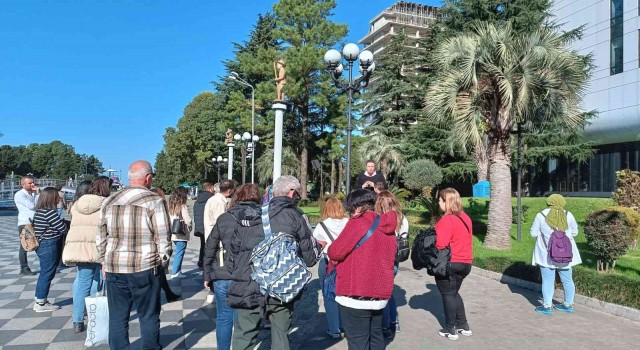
501	317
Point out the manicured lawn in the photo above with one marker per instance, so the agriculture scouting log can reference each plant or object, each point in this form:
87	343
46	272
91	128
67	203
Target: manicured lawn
621	286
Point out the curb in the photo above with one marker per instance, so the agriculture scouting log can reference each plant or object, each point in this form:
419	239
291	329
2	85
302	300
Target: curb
610	308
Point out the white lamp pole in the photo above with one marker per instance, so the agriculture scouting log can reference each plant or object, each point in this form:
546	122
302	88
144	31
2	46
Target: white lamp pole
333	59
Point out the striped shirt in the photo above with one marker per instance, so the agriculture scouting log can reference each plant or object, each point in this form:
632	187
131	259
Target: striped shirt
133	231
48	224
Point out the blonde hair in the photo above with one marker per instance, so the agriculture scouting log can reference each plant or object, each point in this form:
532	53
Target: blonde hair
333	208
387	202
452	201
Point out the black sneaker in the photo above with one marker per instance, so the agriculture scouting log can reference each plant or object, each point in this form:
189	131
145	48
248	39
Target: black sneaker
27	272
78	327
452	334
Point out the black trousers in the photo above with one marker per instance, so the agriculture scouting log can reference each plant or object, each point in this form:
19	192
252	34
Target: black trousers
363	328
449	287
201	256
22	254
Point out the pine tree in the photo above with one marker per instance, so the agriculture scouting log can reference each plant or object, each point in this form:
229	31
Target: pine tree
305	30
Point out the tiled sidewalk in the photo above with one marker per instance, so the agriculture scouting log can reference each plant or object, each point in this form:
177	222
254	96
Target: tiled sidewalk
501	316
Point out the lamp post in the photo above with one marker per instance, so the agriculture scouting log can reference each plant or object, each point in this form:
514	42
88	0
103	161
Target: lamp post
217	163
236	77
333	60
248	147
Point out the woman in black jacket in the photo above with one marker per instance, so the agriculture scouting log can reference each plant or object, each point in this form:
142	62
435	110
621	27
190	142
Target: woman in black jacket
219	260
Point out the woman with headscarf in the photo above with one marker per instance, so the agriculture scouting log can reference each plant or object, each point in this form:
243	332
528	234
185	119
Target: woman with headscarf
555	217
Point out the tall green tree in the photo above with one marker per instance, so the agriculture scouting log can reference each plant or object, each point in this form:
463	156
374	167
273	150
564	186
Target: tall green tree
494	78
199	136
304	28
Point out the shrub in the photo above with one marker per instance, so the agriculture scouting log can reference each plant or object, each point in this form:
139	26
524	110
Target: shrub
627	193
421	173
514	213
609	236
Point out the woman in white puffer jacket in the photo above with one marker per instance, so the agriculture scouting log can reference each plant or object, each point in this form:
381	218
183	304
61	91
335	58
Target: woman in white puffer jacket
80	246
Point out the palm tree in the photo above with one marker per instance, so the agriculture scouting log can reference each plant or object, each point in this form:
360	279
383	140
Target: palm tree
264	165
384	151
494	78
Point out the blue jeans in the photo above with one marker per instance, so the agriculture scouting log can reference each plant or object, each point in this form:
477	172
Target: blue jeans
49	252
548	285
123	289
330	306
224	314
390	312
88	282
181	246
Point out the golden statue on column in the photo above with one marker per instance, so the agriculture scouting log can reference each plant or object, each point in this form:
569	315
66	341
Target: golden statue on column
280	75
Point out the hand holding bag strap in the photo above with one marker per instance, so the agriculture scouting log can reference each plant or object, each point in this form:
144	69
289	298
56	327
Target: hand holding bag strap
327	231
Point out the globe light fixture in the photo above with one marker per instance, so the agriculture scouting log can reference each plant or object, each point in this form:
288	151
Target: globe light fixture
333	60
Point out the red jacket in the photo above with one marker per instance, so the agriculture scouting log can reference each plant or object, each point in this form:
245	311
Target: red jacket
451	231
368	270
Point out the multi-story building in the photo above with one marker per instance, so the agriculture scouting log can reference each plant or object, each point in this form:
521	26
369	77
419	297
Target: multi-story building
402	17
408	17
612	37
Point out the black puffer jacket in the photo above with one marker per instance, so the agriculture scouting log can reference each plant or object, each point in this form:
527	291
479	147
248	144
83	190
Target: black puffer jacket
198	211
225	229
424	254
284	216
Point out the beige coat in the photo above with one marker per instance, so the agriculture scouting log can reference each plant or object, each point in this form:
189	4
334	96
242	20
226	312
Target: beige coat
80	245
187	220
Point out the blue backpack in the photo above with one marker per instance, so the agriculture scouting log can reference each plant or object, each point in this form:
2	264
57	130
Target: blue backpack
277	268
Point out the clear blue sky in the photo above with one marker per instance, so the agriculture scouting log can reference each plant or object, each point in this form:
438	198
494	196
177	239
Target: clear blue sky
108	77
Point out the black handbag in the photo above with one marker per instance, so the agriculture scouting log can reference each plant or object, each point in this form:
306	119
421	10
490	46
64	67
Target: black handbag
179	227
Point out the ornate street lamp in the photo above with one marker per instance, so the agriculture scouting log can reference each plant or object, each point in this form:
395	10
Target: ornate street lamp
217	163
333	60
247	151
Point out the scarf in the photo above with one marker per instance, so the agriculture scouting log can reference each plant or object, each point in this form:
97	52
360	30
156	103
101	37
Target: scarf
556	218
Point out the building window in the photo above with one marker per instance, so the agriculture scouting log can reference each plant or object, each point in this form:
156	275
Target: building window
616	49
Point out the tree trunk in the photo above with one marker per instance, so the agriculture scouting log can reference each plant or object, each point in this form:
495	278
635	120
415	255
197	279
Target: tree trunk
304	153
499	224
384	167
482	162
340	174
333	176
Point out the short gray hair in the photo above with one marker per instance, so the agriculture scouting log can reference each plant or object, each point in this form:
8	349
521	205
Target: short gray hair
139	169
216	187
284	184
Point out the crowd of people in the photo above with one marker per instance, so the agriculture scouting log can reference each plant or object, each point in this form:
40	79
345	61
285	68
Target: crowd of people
124	242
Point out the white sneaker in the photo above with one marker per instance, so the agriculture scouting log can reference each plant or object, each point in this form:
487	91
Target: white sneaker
210	299
177	275
46	307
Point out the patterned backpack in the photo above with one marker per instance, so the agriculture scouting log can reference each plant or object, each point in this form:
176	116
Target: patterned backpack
277	268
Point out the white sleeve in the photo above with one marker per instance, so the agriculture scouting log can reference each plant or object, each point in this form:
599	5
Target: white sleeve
535	228
573	225
319	234
404	227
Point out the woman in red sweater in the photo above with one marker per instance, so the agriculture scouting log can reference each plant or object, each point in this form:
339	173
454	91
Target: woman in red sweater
364	279
454	230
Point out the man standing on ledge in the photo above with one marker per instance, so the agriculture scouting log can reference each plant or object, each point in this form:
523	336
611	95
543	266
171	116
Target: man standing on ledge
132	242
26	200
370	178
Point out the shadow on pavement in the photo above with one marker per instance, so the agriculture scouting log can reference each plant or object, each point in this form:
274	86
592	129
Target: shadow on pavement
523	271
430	301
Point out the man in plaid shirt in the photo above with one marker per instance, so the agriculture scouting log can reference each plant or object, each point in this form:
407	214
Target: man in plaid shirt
132	242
